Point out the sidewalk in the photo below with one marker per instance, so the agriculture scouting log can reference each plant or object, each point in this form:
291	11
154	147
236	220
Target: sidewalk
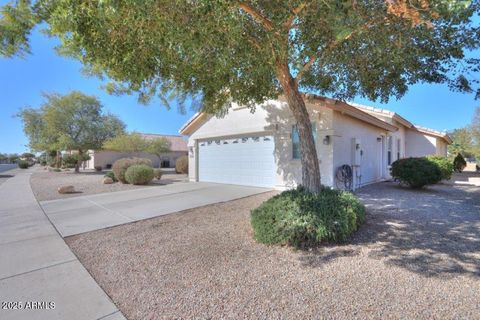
37	269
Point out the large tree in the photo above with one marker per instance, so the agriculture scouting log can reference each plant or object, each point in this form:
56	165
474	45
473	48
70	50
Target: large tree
246	52
71	122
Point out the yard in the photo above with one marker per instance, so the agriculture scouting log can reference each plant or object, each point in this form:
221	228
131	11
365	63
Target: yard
416	257
45	183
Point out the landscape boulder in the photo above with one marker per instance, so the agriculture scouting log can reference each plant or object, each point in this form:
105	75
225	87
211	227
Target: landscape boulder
66	189
107	180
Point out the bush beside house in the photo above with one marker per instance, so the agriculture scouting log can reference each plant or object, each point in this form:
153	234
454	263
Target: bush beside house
446	166
22	164
416	172
301	218
181	166
121	166
139	174
459	163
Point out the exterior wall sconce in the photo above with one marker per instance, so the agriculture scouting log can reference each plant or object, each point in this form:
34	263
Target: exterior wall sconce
190	152
379	139
326	140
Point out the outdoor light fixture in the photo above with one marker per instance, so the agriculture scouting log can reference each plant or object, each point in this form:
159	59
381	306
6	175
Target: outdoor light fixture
326	140
379	139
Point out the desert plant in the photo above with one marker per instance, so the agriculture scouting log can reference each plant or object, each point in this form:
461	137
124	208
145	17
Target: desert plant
157	174
459	163
446	166
56	170
110	175
302	218
139	174
22	164
98	168
416	172
181	165
120	166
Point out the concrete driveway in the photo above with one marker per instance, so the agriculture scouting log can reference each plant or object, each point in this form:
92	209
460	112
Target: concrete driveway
82	214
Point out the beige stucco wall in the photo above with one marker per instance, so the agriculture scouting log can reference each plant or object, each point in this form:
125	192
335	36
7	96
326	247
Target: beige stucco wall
271	118
369	167
102	158
419	144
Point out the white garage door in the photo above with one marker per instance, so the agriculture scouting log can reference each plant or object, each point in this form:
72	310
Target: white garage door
246	161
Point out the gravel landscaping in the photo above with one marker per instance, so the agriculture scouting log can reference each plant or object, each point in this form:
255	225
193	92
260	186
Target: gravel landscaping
417	257
45	183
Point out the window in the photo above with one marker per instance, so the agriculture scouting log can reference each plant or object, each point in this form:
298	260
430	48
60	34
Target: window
296	140
389	149
399	144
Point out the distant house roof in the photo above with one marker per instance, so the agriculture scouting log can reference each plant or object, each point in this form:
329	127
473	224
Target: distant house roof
177	142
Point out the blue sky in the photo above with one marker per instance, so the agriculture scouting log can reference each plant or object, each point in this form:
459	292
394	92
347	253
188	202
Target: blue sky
22	80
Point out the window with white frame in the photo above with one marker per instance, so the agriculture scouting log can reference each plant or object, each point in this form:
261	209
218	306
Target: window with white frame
389	149
296	140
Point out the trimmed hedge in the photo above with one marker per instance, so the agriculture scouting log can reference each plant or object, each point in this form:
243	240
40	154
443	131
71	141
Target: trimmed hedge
120	166
139	174
22	164
181	165
446	166
459	163
110	175
416	172
157	174
301	218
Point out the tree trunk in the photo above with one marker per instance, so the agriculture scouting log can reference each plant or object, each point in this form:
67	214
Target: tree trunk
79	161
57	163
308	154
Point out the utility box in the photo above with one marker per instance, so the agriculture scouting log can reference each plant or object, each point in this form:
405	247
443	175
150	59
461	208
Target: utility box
356	152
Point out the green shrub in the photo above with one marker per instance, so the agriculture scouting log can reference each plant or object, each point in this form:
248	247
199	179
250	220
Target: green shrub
157	174
56	170
98	168
181	165
120	166
416	172
22	164
301	218
70	161
446	166
139	174
110	175
43	162
459	163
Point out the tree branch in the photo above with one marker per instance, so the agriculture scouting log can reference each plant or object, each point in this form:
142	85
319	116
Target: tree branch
295	11
260	18
330	46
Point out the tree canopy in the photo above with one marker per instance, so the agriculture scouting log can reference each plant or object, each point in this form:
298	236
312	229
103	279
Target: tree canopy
249	51
71	122
135	143
127	142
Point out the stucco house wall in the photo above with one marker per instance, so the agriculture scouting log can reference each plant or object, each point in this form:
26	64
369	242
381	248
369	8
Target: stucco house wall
419	144
340	127
349	132
271	118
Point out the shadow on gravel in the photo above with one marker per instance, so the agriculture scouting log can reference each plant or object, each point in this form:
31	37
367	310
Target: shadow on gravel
433	232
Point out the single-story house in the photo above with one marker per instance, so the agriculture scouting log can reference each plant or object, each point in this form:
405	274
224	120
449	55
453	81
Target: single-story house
105	158
262	148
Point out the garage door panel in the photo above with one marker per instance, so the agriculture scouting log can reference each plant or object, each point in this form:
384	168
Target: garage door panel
245	161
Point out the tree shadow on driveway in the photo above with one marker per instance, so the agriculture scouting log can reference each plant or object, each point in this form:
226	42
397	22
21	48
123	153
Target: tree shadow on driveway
434	232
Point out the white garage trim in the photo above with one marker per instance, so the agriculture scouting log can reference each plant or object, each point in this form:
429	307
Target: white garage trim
246	160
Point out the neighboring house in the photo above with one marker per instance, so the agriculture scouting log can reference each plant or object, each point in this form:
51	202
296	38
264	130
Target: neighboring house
105	158
262	149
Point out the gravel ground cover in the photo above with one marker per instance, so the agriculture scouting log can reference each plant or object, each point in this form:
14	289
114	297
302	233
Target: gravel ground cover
45	184
417	257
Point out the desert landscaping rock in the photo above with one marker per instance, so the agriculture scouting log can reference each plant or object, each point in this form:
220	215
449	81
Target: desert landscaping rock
417	257
107	180
45	184
66	189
